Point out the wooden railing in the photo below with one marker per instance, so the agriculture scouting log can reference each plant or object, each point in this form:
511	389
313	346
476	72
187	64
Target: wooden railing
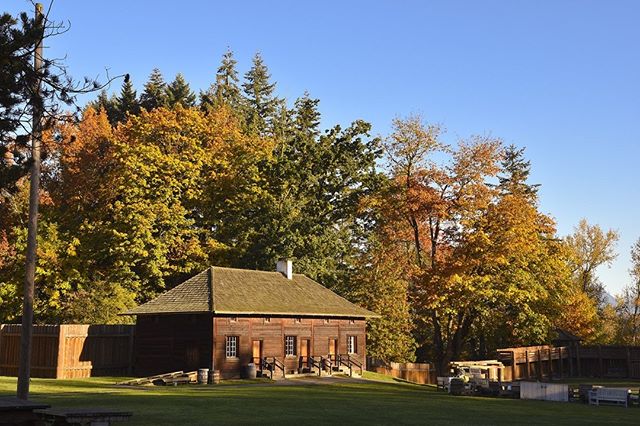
313	363
326	363
349	362
272	364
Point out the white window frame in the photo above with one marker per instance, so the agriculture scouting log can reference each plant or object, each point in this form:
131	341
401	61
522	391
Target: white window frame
290	343
231	346
352	345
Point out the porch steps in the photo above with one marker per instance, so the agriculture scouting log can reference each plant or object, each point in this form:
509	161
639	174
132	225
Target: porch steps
337	372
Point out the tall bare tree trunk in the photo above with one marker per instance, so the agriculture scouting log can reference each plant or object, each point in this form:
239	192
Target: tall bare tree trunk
24	371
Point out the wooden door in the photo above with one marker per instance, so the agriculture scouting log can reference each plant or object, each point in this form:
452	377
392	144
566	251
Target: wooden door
257	352
305	349
333	348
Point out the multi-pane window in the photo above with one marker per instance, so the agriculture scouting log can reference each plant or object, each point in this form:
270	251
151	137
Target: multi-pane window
290	345
352	344
231	346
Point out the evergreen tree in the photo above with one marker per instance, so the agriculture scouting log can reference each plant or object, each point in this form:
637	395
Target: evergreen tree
282	121
262	104
107	104
179	92
226	89
127	102
155	91
307	116
515	173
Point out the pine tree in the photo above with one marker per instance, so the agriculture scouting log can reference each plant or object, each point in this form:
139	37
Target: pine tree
226	89
127	102
515	173
179	92
262	104
307	116
109	105
155	91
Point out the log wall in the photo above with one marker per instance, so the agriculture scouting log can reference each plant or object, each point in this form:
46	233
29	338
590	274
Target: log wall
166	343
271	331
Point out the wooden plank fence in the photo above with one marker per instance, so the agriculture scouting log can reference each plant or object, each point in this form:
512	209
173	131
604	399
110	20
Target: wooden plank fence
615	361
70	351
422	373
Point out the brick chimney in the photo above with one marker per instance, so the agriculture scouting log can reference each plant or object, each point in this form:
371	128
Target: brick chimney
285	267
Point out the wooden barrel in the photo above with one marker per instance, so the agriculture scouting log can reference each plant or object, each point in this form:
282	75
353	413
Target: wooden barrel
251	371
215	377
203	376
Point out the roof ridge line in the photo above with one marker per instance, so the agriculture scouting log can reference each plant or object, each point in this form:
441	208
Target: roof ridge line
252	270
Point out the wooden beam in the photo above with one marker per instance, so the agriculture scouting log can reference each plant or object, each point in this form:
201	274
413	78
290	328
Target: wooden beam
539	364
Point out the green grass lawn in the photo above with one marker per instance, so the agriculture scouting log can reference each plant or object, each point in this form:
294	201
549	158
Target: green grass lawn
374	402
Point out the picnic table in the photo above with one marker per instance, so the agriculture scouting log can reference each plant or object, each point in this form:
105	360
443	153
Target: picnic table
83	416
14	411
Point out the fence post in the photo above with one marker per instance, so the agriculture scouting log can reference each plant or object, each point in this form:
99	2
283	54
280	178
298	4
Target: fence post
2	359
539	364
131	343
62	343
526	358
600	367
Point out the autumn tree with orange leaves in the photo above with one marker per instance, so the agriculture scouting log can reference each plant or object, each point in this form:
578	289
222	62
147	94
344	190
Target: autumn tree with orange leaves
485	266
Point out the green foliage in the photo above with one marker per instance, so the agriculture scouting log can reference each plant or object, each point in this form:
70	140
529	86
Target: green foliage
108	104
261	102
155	91
179	93
515	173
380	285
455	265
226	89
127	103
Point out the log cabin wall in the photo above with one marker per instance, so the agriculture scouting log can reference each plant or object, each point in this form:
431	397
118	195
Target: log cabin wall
172	342
271	332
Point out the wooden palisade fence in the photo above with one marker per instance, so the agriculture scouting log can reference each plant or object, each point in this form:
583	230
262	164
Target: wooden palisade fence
422	373
70	351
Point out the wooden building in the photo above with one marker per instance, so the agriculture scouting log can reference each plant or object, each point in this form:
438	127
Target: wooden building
225	319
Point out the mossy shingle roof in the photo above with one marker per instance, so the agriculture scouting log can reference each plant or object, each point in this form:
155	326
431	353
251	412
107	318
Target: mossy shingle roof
241	291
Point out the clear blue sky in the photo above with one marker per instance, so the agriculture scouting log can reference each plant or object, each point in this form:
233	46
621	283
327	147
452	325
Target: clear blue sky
561	78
